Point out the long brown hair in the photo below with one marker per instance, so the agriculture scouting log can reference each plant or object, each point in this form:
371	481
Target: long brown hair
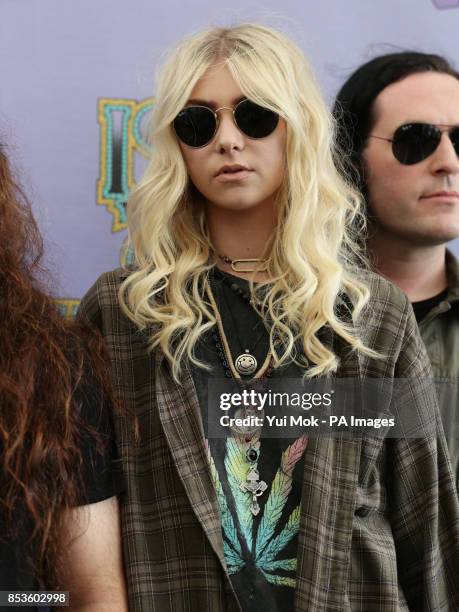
43	359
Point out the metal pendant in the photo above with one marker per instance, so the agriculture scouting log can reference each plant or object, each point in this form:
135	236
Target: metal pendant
246	363
255	487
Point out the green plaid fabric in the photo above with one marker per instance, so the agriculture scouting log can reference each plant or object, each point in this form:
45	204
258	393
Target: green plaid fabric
440	333
379	528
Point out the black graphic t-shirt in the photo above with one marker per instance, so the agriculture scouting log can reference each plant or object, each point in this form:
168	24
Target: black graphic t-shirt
261	549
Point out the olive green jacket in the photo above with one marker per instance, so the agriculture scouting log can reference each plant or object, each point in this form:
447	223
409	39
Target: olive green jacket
440	332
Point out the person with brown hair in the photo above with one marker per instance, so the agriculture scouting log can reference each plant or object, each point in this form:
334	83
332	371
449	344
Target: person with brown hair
58	506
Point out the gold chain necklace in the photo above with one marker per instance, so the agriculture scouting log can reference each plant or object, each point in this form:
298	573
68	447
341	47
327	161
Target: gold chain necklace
245	265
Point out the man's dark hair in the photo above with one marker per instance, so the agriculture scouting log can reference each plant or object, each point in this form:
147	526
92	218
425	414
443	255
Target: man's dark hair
354	104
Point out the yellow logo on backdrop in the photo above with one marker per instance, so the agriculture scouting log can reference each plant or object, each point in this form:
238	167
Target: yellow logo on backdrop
123	149
122	125
67	307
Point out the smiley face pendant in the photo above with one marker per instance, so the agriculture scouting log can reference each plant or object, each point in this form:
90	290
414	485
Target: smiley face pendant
246	364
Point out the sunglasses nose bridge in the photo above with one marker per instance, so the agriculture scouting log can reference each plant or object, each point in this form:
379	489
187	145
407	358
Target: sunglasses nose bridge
227	132
218	119
224	108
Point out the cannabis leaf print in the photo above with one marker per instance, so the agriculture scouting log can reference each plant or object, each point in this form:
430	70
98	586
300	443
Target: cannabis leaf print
237	468
233	552
267	544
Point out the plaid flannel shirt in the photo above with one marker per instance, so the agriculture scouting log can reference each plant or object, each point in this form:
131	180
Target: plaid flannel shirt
379	526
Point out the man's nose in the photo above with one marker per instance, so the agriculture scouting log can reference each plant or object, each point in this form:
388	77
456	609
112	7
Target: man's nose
228	137
445	160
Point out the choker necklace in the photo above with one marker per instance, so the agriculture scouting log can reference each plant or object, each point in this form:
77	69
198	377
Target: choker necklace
246	265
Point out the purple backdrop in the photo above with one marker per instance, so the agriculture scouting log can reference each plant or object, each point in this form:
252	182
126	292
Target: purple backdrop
64	65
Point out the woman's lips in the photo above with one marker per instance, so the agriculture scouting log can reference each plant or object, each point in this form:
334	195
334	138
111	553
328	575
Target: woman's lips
232	177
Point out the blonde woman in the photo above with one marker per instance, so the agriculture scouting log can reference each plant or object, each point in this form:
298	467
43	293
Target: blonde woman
245	267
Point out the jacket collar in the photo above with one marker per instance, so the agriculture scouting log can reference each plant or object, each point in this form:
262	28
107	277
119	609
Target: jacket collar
180	416
452	273
452	296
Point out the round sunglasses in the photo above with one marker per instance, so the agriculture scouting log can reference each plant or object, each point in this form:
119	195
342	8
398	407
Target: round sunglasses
197	125
414	142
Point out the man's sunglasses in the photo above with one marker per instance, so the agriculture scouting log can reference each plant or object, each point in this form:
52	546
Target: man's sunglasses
414	142
197	125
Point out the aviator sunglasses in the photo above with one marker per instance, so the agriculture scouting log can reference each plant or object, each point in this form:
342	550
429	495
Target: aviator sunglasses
196	125
414	142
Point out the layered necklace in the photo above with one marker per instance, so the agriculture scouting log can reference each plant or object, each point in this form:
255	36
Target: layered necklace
245	265
244	364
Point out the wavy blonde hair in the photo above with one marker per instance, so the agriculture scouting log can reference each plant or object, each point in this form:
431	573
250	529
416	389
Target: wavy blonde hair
313	257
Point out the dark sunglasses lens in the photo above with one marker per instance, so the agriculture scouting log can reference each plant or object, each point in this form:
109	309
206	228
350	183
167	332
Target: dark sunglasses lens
454	135
255	121
414	142
195	125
